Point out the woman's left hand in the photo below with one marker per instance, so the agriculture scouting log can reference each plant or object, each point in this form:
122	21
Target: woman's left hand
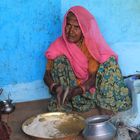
74	92
59	92
90	82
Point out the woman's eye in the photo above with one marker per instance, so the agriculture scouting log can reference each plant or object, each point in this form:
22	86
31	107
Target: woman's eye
68	25
76	27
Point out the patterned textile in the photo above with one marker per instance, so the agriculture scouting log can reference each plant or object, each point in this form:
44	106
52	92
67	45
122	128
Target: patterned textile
5	131
94	41
111	91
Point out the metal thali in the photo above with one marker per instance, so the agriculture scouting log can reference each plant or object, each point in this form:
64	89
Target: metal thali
54	125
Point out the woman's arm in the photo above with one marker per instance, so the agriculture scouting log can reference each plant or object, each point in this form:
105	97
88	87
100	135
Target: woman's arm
48	78
55	88
81	89
90	82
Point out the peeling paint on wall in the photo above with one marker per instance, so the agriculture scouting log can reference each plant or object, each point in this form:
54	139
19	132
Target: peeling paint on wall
27	29
119	20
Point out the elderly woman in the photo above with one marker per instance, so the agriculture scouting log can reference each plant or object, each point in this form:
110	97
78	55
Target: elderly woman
82	70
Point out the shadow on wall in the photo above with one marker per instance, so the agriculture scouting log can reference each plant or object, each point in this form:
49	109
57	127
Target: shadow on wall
24	92
128	60
128	54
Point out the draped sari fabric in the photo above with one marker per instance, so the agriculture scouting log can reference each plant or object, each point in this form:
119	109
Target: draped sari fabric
70	63
94	41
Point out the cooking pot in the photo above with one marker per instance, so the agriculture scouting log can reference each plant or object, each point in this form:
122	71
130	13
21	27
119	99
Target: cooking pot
99	128
134	76
134	132
7	106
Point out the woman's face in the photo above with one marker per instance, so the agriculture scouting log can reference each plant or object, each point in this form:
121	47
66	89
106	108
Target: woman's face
72	30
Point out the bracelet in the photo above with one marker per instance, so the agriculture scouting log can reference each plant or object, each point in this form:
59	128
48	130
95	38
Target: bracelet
92	90
52	86
83	89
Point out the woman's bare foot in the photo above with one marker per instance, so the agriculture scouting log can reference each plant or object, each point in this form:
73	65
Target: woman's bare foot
103	111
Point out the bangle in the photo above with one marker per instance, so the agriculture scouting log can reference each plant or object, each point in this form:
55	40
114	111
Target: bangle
92	90
83	89
52	86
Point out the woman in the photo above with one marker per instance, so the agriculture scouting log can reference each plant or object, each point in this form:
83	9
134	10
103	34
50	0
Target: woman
82	67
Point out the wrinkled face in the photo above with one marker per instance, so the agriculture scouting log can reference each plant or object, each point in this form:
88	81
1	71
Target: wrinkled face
72	30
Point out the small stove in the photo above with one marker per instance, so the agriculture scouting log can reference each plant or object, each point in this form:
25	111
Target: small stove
131	117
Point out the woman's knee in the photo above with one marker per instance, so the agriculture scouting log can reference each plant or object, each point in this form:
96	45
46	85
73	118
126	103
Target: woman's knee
61	63
61	59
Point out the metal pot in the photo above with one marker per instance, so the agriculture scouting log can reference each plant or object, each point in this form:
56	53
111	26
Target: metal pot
134	132
99	128
7	106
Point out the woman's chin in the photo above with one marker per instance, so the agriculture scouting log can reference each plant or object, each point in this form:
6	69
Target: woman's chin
71	40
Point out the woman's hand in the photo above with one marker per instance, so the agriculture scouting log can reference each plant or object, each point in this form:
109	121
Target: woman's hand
57	91
90	82
59	95
74	92
79	90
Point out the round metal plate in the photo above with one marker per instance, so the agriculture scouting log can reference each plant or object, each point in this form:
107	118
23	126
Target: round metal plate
54	125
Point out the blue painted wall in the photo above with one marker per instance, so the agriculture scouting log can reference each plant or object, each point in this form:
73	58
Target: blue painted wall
119	22
28	27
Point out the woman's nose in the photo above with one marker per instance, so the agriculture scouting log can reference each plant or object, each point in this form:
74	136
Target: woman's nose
72	30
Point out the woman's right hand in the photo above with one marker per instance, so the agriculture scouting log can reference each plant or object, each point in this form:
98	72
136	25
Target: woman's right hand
74	92
59	95
57	91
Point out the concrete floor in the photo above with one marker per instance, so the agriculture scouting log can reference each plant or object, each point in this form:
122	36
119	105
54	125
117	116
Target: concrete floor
21	113
27	109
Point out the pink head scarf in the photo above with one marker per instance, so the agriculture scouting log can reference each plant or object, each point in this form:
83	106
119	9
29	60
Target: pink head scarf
94	41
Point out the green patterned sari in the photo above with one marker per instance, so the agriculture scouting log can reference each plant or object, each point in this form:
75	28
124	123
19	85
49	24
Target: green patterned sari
111	91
